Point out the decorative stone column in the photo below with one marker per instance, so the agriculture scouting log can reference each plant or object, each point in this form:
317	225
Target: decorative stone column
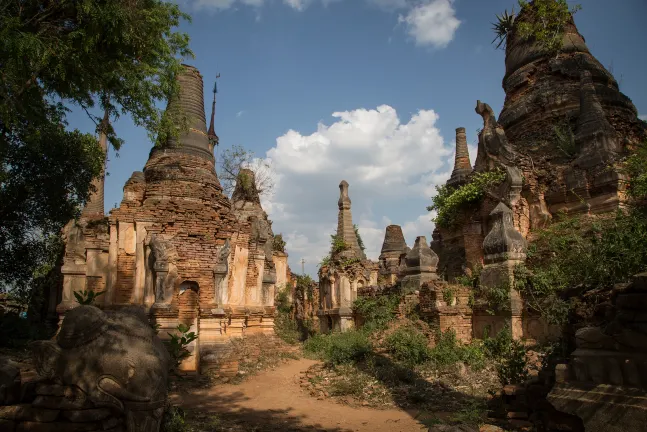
504	248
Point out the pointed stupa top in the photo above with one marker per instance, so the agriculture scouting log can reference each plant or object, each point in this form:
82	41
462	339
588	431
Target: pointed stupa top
246	189
190	105
211	134
345	227
462	166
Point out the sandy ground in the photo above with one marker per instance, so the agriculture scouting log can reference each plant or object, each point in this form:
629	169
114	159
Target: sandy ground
274	401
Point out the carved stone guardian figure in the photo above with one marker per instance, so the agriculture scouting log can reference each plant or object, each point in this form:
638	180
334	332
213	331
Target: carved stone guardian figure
117	363
164	257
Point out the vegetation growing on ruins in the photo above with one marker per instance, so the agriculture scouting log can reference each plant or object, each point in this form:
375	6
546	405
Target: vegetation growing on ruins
359	238
292	324
635	166
544	23
278	244
235	158
178	343
56	54
450	202
577	257
87	297
337	244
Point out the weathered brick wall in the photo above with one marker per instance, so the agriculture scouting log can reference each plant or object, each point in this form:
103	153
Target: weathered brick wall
454	315
182	200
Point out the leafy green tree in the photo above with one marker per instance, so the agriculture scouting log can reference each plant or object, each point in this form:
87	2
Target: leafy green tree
117	55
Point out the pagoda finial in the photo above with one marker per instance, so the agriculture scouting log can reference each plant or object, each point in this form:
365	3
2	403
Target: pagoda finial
213	138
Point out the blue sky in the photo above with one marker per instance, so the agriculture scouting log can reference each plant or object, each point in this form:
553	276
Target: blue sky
401	76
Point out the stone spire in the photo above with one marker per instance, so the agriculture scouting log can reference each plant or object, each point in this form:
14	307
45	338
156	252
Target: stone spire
190	105
345	228
211	134
393	248
462	166
393	240
595	137
94	208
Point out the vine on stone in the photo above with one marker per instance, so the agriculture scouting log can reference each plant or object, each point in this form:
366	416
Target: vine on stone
449	202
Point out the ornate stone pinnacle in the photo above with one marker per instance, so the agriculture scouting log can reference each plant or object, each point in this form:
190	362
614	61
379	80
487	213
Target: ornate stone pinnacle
345	227
503	242
462	165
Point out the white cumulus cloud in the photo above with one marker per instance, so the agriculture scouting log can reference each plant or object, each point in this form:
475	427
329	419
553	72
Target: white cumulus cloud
391	165
432	23
643	117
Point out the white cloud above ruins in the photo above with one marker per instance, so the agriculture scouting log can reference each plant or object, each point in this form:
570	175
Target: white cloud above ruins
428	22
386	160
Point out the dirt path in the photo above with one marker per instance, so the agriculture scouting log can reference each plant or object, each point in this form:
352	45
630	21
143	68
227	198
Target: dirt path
274	400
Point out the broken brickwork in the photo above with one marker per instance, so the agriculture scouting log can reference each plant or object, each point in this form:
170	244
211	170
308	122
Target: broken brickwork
178	246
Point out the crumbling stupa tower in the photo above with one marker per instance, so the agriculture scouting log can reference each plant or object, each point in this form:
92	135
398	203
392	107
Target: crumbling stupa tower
175	247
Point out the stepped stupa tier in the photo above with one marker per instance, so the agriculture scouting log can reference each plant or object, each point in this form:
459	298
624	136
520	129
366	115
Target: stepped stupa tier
543	90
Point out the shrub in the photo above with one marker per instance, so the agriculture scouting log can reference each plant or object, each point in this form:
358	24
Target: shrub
339	348
408	345
579	254
449	351
347	347
337	244
278	244
177	345
510	356
376	311
286	328
635	167
317	346
449	202
174	420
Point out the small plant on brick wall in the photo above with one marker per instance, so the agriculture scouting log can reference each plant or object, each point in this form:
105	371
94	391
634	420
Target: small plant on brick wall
278	244
177	345
448	295
87	297
337	244
360	242
450	202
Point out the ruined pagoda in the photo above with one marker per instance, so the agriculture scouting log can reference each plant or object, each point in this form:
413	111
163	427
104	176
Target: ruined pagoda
346	271
176	248
563	129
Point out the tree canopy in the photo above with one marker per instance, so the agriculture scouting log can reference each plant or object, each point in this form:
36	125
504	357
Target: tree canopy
119	55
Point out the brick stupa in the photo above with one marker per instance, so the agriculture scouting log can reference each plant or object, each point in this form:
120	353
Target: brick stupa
175	247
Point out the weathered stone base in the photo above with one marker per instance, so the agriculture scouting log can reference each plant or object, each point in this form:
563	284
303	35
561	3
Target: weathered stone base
603	408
